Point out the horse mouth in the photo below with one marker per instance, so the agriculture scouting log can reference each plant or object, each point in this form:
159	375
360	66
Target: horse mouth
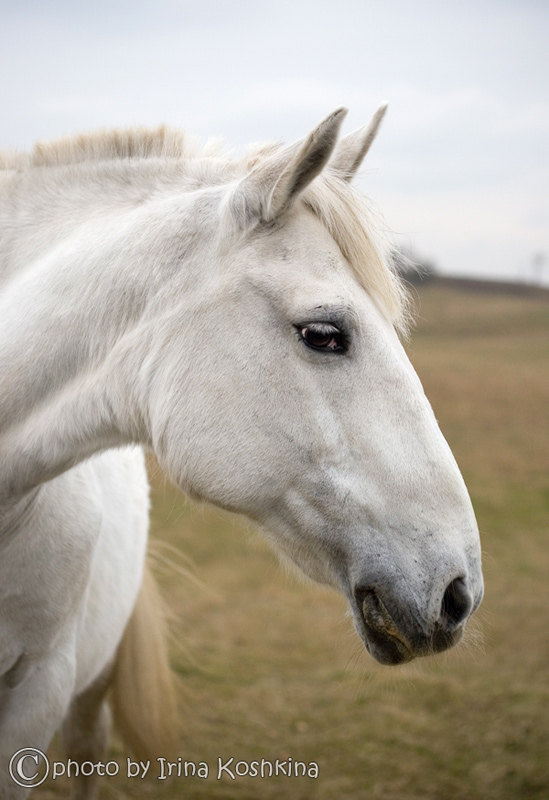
387	642
383	639
385	648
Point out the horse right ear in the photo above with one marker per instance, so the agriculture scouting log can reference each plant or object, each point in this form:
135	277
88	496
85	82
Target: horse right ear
351	150
270	188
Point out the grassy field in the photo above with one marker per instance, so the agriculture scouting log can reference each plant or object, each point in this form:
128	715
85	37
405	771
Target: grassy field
271	667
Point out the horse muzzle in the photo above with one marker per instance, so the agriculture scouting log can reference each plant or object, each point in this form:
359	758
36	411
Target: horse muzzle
394	635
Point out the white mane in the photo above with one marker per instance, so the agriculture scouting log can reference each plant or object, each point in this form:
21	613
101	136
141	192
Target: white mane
161	142
354	226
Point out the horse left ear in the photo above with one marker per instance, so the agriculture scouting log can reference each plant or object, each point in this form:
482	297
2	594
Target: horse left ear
351	150
273	184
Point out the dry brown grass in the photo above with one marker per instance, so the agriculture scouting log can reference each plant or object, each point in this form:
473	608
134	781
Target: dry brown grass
271	668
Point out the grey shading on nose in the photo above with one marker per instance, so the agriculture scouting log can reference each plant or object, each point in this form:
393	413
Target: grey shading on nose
397	637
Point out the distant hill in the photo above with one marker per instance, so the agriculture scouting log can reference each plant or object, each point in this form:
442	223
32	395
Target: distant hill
481	286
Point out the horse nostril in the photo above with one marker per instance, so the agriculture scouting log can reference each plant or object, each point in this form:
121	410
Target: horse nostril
456	604
370	606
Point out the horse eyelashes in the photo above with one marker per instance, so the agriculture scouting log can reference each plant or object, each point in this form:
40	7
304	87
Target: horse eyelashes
323	337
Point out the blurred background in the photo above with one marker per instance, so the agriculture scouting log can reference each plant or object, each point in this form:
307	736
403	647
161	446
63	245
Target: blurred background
270	667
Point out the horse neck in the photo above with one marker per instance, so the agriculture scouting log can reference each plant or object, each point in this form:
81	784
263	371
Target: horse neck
76	318
43	206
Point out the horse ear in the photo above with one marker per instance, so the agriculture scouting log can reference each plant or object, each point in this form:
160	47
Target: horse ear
270	188
351	150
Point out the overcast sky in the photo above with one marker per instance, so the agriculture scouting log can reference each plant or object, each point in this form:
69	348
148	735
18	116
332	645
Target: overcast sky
460	169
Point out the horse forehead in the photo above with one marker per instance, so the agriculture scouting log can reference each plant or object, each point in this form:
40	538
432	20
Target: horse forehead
303	234
303	249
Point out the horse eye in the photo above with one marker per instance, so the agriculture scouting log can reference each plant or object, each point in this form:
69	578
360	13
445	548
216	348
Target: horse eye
323	336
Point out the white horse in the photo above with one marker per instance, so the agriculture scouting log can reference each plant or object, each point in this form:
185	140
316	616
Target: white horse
237	318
